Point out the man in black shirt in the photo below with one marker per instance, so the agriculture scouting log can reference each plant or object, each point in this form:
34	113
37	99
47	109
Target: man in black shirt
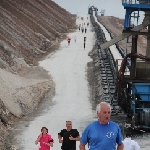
70	136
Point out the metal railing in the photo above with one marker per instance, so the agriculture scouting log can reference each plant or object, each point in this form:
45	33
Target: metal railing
136	1
130	1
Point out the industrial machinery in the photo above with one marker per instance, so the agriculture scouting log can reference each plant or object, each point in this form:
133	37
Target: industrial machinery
132	87
133	90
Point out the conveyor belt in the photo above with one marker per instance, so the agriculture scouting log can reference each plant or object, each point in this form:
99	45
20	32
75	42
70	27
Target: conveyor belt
105	69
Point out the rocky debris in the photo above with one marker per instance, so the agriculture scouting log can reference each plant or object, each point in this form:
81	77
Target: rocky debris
5	123
20	96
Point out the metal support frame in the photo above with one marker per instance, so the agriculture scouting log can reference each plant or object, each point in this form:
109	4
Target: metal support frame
133	58
136	32
132	6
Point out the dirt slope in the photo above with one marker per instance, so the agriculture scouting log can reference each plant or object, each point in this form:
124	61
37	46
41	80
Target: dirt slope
115	25
29	29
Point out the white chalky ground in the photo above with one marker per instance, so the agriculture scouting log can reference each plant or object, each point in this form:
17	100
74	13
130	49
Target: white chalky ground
67	66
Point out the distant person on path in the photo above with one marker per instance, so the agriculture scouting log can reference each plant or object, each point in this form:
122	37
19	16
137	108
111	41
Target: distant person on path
130	144
69	39
75	39
84	42
82	29
45	140
88	24
102	134
70	136
85	29
79	26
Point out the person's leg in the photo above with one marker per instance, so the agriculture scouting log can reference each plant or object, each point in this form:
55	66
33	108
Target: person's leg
84	45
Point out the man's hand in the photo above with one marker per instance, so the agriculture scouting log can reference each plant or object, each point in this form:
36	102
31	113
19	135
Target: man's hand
71	138
59	138
60	141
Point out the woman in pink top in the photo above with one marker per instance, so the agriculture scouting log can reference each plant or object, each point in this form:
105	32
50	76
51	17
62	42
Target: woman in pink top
45	139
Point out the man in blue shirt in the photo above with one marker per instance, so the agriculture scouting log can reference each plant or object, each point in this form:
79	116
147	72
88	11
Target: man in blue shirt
102	134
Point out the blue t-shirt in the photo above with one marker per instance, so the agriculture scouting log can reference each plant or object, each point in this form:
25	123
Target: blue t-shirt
102	136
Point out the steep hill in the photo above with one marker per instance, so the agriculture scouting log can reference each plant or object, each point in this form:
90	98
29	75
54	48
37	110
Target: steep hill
29	29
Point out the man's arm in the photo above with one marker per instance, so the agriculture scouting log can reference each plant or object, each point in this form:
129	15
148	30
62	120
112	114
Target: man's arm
78	138
75	139
81	146
59	137
120	147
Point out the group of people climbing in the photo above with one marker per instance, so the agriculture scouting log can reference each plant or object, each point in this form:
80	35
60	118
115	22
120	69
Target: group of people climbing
83	29
101	134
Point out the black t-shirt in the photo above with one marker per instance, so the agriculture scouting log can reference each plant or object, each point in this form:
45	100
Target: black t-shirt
67	143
